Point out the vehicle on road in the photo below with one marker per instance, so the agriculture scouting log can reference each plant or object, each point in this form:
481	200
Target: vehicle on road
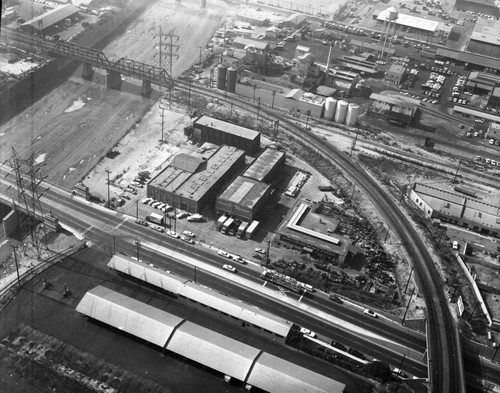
144	223
334	298
371	313
231	268
188	233
155	218
239	259
173	234
307	332
157	228
224	254
187	239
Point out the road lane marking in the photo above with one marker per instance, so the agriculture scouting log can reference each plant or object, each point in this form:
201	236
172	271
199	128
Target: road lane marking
121	223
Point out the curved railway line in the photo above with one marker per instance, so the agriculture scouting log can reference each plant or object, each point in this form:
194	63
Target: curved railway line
444	350
445	360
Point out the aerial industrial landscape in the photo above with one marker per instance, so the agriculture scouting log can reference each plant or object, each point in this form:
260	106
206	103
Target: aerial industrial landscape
267	196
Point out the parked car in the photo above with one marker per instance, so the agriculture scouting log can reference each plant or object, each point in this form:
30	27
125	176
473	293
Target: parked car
333	297
182	215
224	254
371	313
260	251
188	233
142	222
231	268
173	234
157	228
187	239
239	259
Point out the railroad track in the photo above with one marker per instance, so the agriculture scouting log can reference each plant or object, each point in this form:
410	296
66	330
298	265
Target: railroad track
445	360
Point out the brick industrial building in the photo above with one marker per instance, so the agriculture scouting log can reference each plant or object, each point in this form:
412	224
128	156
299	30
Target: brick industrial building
207	129
192	181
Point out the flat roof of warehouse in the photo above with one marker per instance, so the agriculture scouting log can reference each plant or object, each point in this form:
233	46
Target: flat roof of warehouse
411	21
276	375
236	308
130	315
52	17
244	191
195	185
468	57
227	127
264	163
476	113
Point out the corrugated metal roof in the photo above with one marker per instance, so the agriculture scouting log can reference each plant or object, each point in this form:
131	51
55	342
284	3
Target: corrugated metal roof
467	57
262	45
150	274
476	113
215	350
423	189
244	191
264	163
295	94
127	314
395	99
237	308
276	375
52	17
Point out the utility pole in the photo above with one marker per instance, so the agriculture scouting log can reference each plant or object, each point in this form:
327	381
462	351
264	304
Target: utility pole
258	108
108	172
409	277
272	103
136	210
195	274
407	306
138	246
456	173
473	310
308	113
354	143
17	266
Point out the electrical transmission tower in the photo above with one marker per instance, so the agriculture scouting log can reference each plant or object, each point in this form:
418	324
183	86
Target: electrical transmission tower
170	35
28	179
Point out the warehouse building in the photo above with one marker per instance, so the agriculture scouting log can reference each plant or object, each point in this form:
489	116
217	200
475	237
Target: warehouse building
410	22
457	209
395	108
471	61
208	129
49	18
192	181
243	198
300	102
313	233
229	357
267	166
485	39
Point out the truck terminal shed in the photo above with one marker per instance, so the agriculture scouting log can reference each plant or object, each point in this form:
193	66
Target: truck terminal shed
232	358
267	165
243	198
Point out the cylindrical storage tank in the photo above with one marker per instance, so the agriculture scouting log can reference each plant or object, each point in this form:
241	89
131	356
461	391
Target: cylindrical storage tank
330	106
341	111
232	76
352	115
392	14
221	76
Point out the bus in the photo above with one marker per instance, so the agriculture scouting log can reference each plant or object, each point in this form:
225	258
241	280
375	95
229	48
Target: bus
252	228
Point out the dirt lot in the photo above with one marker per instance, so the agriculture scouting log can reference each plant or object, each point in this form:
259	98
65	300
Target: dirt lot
71	128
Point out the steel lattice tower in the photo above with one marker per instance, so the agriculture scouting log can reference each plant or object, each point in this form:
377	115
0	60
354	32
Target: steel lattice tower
28	179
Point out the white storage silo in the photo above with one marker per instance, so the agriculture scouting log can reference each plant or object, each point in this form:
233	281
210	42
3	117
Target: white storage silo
352	115
330	106
341	111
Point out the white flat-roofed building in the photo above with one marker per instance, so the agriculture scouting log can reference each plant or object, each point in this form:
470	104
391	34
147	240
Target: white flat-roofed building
413	22
457	209
129	315
485	39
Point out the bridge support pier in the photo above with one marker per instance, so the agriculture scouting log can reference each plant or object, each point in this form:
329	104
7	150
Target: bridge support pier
87	71
113	80
146	88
